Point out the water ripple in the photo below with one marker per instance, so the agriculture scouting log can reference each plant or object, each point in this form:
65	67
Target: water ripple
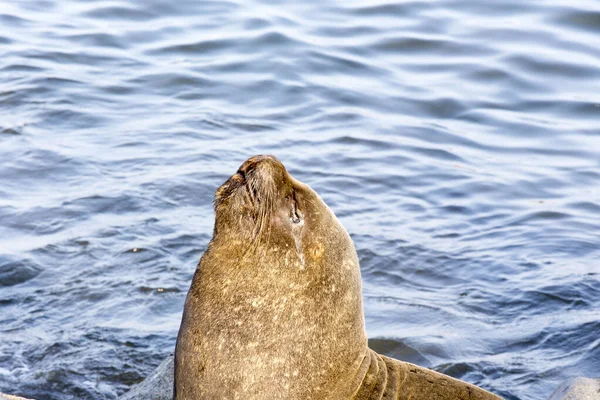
456	140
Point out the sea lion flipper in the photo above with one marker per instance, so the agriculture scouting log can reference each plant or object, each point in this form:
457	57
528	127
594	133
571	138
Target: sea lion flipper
372	384
422	383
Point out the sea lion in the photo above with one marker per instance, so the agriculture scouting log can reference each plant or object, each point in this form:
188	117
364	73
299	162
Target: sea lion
275	309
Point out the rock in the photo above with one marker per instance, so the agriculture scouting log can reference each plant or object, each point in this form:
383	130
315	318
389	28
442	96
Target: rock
11	397
158	386
578	389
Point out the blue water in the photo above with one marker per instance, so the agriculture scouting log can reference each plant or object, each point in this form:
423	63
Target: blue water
457	141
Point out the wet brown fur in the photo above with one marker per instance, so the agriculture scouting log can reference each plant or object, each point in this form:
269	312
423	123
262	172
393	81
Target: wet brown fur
275	306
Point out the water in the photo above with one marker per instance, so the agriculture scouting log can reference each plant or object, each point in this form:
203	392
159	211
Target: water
457	141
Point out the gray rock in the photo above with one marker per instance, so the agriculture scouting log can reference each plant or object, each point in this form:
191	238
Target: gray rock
578	389
158	386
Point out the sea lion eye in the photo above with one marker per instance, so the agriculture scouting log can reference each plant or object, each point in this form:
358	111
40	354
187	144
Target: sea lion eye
296	216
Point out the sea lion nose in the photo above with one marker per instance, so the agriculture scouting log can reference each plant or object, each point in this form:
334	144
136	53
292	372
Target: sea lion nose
251	163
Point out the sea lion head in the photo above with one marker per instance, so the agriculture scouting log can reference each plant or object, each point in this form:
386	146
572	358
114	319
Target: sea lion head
264	207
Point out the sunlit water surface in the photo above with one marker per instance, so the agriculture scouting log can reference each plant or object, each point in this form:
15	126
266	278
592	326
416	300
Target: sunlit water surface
457	141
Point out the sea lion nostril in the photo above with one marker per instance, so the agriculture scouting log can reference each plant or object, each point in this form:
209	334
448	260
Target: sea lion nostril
251	163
